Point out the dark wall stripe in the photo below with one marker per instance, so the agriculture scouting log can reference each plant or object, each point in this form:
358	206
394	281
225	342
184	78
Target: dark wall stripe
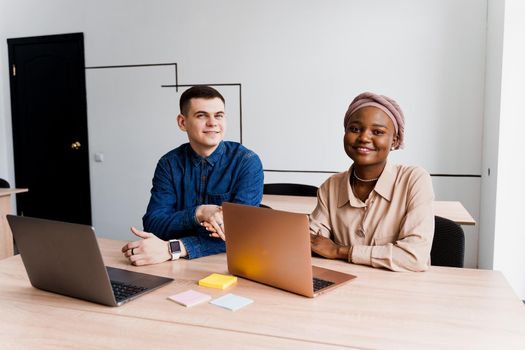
301	171
455	175
133	65
335	172
144	65
209	84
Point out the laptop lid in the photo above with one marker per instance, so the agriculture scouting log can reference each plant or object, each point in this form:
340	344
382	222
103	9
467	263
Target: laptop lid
273	247
64	258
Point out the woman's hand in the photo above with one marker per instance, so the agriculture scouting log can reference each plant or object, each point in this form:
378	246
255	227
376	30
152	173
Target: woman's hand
210	216
327	248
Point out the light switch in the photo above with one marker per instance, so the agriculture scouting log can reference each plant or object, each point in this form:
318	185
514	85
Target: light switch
99	157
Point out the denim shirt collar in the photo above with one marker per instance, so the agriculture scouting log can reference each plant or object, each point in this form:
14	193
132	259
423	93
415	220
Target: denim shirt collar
212	159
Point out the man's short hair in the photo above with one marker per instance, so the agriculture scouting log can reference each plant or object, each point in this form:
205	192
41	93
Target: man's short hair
197	91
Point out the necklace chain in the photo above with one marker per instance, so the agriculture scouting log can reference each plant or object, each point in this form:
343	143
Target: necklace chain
363	180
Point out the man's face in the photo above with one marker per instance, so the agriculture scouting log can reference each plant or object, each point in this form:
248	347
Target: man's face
205	124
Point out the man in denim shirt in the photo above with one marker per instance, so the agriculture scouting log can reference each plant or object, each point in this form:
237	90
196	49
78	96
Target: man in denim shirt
192	181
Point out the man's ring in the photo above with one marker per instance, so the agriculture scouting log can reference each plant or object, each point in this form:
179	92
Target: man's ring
219	223
132	252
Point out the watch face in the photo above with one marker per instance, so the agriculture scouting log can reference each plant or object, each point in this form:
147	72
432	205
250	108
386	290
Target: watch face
175	246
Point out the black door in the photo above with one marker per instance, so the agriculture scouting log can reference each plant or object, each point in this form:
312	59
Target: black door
50	139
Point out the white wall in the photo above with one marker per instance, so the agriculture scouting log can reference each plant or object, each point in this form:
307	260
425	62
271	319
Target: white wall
510	207
19	19
491	120
300	63
4	127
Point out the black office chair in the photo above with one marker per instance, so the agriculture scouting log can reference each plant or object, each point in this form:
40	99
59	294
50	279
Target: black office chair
290	189
448	246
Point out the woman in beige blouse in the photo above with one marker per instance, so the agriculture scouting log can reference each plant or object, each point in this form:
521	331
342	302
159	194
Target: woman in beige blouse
376	213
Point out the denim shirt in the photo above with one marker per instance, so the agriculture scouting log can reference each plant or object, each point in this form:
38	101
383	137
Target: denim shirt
184	180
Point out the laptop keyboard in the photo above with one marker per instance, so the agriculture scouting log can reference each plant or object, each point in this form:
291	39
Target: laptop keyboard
124	291
320	284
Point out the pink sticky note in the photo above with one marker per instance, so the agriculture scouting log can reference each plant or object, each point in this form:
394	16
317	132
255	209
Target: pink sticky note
190	298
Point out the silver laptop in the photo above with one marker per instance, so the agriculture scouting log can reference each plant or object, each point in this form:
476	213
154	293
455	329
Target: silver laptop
273	247
64	258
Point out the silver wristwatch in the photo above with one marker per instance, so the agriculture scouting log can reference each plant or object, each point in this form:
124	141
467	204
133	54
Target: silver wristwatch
174	248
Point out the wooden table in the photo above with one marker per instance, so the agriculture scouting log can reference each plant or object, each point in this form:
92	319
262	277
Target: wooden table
6	237
454	211
443	308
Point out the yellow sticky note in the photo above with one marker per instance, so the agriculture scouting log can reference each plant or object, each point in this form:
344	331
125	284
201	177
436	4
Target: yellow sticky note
216	280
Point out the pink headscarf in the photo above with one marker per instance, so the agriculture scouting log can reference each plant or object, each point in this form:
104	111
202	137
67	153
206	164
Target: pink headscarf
387	105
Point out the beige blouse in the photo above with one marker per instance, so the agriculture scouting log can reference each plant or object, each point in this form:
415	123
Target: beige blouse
393	229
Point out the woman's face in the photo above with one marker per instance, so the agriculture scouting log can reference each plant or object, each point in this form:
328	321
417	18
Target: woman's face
369	136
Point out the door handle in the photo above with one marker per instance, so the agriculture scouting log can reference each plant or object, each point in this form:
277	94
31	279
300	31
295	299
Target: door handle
75	145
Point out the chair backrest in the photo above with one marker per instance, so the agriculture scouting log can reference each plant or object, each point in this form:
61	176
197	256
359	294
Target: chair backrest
448	246
289	189
4	184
